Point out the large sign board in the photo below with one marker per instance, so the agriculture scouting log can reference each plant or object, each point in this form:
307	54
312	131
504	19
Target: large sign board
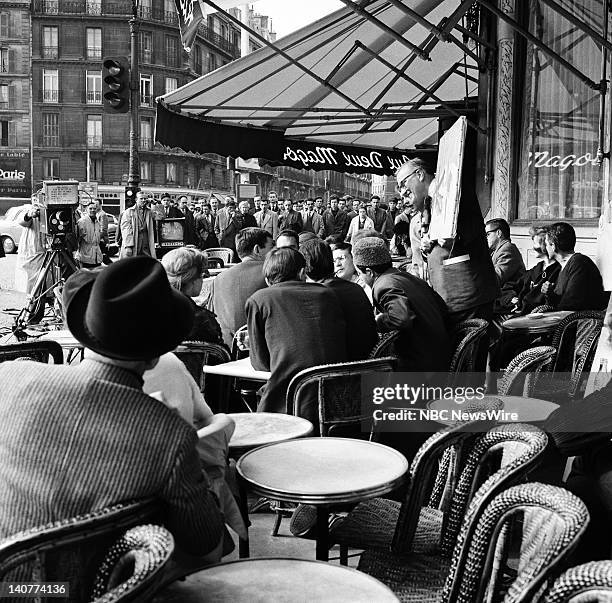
61	192
88	191
446	193
15	180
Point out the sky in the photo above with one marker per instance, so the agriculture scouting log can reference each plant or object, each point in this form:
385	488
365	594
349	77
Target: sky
289	15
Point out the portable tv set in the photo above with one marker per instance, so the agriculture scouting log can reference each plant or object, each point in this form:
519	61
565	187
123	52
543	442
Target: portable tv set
170	233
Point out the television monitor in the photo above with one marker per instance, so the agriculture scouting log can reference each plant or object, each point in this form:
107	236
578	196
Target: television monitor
170	232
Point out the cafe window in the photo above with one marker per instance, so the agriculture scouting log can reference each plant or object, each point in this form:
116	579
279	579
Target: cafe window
558	175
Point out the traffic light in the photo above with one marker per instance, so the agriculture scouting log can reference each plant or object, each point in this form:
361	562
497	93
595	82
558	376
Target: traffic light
130	195
116	85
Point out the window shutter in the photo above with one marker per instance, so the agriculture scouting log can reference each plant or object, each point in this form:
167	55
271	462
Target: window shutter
14	23
12	140
4	26
11	97
12	68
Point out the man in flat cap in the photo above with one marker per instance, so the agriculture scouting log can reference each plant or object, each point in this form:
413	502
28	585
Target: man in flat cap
405	303
77	439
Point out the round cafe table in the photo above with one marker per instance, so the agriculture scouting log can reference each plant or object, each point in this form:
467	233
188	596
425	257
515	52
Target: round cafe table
323	472
282	580
253	429
544	322
529	410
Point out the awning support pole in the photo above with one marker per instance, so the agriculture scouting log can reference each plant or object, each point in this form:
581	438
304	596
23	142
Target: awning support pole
416	84
602	98
388	30
287	57
579	24
543	47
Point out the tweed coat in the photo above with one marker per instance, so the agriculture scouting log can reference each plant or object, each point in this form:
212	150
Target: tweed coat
80	438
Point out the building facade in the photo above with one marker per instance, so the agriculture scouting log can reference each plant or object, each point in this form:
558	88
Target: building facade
72	136
15	158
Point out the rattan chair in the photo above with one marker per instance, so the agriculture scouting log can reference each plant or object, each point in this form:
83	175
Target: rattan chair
432	531
385	346
339	394
541	309
223	253
466	338
39	351
73	550
143	551
522	373
554	521
215	263
575	338
197	354
588	583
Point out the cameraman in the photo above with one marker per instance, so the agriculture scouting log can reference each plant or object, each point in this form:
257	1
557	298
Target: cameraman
31	250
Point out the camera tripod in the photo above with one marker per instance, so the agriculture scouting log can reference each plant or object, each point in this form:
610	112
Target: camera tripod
57	264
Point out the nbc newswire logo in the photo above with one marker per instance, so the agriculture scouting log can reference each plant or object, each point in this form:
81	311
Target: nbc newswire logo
11	175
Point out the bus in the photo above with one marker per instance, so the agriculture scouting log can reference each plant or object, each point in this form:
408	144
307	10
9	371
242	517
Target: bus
113	196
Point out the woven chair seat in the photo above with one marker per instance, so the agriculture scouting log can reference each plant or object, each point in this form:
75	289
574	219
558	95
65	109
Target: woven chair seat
371	524
414	578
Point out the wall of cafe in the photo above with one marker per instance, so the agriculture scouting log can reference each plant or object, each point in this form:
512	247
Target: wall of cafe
545	163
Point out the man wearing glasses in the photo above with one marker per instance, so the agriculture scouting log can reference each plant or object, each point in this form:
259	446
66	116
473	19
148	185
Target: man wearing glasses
507	261
460	269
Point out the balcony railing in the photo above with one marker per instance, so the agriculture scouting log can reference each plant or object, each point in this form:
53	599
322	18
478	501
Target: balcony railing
51	140
146	100
93	97
4	65
50	52
94	142
51	7
146	143
94	53
93	7
218	41
170	17
50	96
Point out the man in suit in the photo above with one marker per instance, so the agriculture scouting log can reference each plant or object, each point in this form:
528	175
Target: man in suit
247	219
234	286
137	229
377	215
507	261
189	236
361	335
354	208
170	211
335	220
289	219
293	325
94	439
267	219
227	225
205	229
312	221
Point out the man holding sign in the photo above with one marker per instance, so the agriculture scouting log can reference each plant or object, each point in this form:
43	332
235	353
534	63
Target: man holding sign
458	259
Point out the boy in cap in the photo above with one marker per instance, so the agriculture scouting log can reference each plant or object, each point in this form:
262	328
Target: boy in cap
405	303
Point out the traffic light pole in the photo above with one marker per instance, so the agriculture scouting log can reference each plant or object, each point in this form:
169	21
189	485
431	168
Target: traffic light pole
134	165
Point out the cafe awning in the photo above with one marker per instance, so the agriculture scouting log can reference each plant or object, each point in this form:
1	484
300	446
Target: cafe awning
358	91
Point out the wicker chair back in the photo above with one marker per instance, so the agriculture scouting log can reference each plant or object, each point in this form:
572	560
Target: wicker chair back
39	351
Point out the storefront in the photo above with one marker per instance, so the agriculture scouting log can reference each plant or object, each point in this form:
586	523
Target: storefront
558	165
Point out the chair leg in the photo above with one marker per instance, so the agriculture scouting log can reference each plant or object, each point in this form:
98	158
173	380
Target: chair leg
277	522
343	554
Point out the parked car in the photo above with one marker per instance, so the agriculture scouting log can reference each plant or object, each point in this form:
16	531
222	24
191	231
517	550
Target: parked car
10	231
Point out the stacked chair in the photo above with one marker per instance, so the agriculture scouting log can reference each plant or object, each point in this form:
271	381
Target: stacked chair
588	583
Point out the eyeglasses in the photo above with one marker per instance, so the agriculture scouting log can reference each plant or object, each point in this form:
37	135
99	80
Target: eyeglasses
488	232
402	185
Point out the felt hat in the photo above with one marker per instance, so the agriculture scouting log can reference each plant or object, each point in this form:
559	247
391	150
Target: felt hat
127	311
370	251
